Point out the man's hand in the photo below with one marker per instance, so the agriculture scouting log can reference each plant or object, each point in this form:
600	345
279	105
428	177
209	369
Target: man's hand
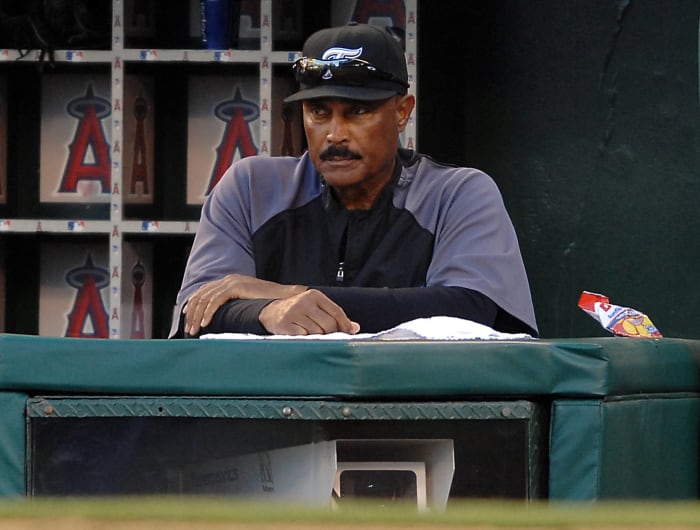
205	301
310	312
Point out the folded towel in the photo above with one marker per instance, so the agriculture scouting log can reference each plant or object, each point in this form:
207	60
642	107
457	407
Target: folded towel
432	328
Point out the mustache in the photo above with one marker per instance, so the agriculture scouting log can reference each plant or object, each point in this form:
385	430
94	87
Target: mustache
339	152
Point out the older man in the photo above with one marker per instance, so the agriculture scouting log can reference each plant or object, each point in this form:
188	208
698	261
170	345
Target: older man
357	233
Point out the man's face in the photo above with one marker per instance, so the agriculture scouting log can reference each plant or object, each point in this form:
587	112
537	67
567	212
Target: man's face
353	143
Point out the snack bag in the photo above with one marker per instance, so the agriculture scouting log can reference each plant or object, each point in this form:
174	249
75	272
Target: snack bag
623	321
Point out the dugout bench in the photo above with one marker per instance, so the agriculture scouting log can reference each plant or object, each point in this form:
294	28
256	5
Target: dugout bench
575	419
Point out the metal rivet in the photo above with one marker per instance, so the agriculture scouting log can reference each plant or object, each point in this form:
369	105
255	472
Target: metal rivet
48	410
286	411
346	412
506	412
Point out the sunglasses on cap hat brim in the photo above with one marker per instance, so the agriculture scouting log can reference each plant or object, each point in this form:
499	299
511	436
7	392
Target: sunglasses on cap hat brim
310	71
339	73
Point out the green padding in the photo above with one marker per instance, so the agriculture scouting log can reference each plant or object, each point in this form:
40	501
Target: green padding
12	436
178	367
625	448
591	367
650	448
574	452
576	367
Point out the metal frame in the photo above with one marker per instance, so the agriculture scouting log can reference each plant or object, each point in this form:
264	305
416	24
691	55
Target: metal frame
299	409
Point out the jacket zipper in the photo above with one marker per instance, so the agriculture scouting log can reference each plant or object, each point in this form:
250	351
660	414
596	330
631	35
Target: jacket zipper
340	275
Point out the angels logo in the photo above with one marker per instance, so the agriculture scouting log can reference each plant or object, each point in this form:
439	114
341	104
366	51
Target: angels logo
88	317
138	319
139	169
237	137
89	151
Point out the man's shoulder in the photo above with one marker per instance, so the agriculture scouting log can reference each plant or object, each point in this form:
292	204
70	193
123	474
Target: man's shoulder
272	183
260	163
269	171
422	170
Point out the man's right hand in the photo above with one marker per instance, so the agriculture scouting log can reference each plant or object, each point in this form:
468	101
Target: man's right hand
307	313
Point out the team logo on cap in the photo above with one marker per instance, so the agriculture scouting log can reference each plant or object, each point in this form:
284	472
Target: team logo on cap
338	53
334	54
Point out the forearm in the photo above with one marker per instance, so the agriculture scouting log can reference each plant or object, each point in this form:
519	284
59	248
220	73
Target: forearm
205	302
377	309
374	308
235	316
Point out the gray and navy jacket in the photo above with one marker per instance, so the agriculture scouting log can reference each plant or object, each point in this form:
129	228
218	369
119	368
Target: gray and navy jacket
437	241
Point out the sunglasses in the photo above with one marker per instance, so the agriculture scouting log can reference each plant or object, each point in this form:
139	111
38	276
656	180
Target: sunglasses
310	71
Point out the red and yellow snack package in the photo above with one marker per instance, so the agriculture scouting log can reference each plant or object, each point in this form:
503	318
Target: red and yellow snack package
623	321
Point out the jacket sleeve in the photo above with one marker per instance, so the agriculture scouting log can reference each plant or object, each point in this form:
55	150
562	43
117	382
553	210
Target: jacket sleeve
235	316
377	309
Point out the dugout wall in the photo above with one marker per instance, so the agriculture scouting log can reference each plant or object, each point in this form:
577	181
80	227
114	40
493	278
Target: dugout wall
564	419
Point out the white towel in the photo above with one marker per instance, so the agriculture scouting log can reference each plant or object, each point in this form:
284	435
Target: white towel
433	328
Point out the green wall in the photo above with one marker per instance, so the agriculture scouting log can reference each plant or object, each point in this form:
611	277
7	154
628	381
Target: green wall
586	114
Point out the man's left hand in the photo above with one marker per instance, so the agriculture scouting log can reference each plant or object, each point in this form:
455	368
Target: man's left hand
206	300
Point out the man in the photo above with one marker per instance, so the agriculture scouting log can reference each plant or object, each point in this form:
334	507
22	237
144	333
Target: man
356	234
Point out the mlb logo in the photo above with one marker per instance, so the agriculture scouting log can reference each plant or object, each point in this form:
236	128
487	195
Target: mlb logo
223	56
76	226
148	55
4	55
150	226
5	225
74	55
